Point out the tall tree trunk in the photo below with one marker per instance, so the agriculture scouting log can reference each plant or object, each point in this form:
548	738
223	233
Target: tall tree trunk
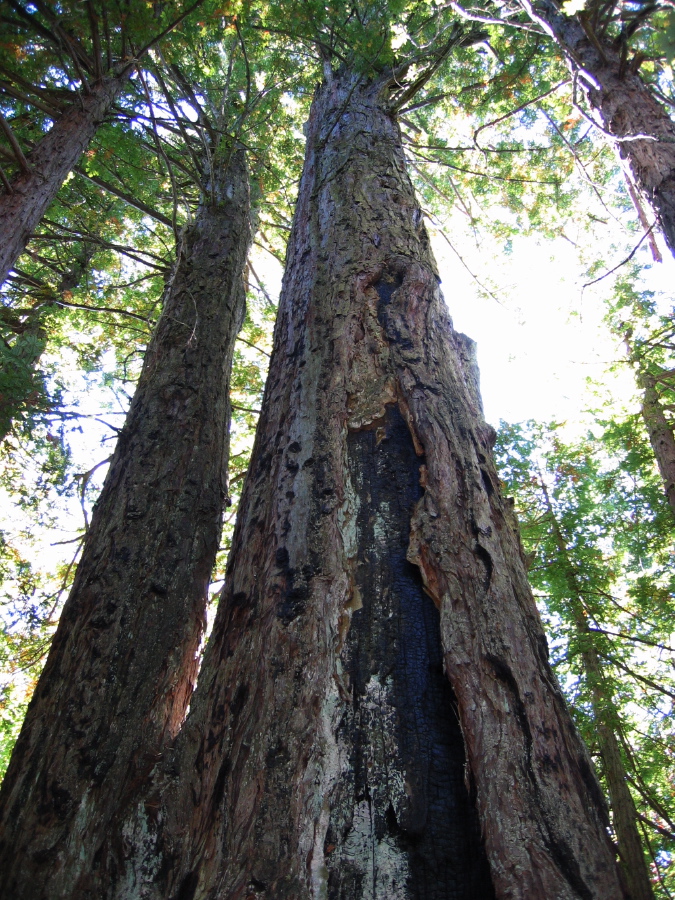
624	813
49	164
120	673
660	433
626	107
376	715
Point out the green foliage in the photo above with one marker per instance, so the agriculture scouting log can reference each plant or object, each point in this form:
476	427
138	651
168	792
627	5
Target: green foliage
599	540
21	386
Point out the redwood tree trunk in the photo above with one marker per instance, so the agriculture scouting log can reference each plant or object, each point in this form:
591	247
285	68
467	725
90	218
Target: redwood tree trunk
120	673
626	108
661	435
376	715
50	162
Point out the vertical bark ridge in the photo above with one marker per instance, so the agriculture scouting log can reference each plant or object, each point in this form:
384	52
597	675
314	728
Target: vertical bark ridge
121	669
50	162
321	756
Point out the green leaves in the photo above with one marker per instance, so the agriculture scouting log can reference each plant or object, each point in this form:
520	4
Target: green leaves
599	540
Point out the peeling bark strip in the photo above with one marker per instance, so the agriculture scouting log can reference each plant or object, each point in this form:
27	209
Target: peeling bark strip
50	162
626	106
321	755
122	665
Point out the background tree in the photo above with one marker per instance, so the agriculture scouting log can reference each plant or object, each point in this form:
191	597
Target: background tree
599	543
606	45
647	332
145	569
135	616
101	65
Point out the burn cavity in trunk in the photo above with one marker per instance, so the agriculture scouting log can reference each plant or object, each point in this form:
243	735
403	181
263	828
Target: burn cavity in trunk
403	825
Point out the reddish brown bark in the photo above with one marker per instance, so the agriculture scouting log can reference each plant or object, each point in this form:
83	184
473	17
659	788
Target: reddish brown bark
50	162
626	107
376	618
120	672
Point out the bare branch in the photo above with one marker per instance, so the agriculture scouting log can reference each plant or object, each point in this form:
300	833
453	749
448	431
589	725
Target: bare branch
132	201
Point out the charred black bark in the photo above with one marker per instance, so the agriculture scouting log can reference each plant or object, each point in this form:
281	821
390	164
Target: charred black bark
121	669
403	720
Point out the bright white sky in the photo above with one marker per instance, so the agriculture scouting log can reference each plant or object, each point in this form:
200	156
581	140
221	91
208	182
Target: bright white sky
536	351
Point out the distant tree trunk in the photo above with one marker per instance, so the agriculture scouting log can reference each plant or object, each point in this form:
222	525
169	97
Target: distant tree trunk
624	813
660	433
25	354
19	382
376	715
626	107
49	164
121	669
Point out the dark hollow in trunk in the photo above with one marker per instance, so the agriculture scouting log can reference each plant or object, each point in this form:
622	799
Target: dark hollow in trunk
403	717
50	162
321	756
121	669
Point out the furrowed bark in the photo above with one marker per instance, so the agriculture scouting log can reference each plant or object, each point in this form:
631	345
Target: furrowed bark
120	673
661	435
375	715
626	107
50	162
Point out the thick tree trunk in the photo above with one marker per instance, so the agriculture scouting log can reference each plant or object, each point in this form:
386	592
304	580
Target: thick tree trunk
120	673
375	716
624	814
661	435
627	108
50	162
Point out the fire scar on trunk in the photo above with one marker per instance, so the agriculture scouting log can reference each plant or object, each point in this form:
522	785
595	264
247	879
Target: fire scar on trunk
402	823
